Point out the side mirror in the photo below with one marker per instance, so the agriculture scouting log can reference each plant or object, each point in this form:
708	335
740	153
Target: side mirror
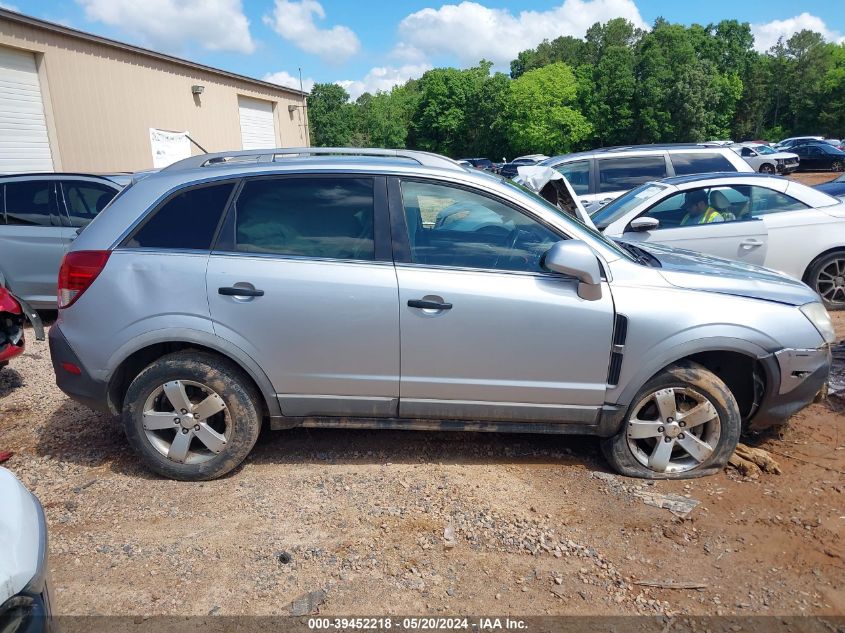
644	224
576	259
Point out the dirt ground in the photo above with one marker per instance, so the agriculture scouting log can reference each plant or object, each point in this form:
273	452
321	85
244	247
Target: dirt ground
813	178
377	522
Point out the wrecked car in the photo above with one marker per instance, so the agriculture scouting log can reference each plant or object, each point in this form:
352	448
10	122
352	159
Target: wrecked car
13	314
233	290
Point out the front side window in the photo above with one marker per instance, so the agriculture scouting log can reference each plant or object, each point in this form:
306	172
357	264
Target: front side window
326	217
84	200
627	172
31	203
712	205
578	174
699	163
186	221
448	226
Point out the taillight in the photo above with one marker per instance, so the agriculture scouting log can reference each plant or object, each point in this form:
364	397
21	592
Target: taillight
79	270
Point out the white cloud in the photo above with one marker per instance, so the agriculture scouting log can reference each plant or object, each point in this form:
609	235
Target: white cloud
383	78
217	25
284	78
471	31
294	21
9	7
766	35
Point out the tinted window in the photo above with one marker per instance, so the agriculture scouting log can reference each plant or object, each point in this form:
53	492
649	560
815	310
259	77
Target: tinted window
309	217
188	220
699	163
578	175
31	202
624	173
84	200
454	227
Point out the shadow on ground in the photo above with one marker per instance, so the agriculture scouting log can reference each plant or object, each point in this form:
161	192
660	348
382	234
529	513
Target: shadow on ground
78	435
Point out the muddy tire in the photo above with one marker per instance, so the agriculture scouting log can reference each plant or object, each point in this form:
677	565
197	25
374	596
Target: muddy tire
192	416
766	168
683	423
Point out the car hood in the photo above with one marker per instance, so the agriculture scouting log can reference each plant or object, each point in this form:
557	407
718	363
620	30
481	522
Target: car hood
696	271
21	533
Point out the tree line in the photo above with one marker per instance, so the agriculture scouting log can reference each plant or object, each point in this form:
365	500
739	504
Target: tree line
617	86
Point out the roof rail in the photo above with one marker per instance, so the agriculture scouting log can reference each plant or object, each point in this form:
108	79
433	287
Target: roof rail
426	159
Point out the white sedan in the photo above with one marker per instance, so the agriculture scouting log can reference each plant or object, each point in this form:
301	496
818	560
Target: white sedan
753	218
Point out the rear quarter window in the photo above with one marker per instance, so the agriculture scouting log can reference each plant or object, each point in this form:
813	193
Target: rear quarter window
699	163
186	221
626	172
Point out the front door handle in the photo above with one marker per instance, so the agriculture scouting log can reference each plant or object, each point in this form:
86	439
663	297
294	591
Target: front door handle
750	243
233	291
428	305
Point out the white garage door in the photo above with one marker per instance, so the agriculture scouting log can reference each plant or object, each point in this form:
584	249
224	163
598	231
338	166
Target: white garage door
24	145
257	129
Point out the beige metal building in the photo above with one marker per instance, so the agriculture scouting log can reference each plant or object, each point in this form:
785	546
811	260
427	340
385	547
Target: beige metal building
72	101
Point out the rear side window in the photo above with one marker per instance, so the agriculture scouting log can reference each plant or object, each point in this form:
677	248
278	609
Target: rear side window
578	175
624	173
327	217
84	200
699	163
31	203
186	221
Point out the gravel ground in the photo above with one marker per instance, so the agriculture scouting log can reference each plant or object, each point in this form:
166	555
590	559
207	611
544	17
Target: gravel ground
373	522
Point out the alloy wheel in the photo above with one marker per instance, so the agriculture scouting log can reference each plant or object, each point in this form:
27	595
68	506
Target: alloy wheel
186	421
830	282
838	166
673	430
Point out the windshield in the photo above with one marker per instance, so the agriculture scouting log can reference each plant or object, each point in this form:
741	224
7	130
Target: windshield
537	198
616	209
763	149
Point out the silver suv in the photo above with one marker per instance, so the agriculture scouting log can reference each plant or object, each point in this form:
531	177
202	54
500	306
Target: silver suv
397	289
40	215
601	175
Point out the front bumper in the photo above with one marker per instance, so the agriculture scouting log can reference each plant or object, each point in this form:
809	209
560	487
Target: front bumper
787	169
793	379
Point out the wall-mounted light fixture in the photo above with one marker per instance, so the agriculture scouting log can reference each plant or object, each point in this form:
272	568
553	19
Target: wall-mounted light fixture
197	89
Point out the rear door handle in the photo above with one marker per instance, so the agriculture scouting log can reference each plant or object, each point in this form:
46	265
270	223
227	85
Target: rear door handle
232	291
428	305
750	243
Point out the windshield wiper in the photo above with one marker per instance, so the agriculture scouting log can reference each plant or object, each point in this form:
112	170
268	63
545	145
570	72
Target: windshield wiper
640	255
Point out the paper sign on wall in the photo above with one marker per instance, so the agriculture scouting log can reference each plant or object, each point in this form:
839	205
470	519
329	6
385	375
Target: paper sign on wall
168	147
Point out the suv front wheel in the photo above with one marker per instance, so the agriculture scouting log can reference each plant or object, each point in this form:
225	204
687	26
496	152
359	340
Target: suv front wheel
191	416
683	423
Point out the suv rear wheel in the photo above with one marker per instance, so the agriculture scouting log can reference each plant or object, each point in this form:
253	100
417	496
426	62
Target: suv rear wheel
683	423
191	416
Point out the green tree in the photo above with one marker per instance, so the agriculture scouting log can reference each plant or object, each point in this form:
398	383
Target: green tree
541	111
330	116
832	101
567	49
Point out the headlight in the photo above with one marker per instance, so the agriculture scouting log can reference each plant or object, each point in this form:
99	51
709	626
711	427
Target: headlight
818	316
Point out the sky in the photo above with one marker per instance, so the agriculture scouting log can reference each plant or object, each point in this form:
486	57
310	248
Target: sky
374	45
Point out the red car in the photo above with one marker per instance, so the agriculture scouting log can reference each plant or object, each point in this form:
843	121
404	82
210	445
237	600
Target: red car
13	315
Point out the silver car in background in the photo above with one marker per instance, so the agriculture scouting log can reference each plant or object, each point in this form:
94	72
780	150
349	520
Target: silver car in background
601	175
40	215
315	287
